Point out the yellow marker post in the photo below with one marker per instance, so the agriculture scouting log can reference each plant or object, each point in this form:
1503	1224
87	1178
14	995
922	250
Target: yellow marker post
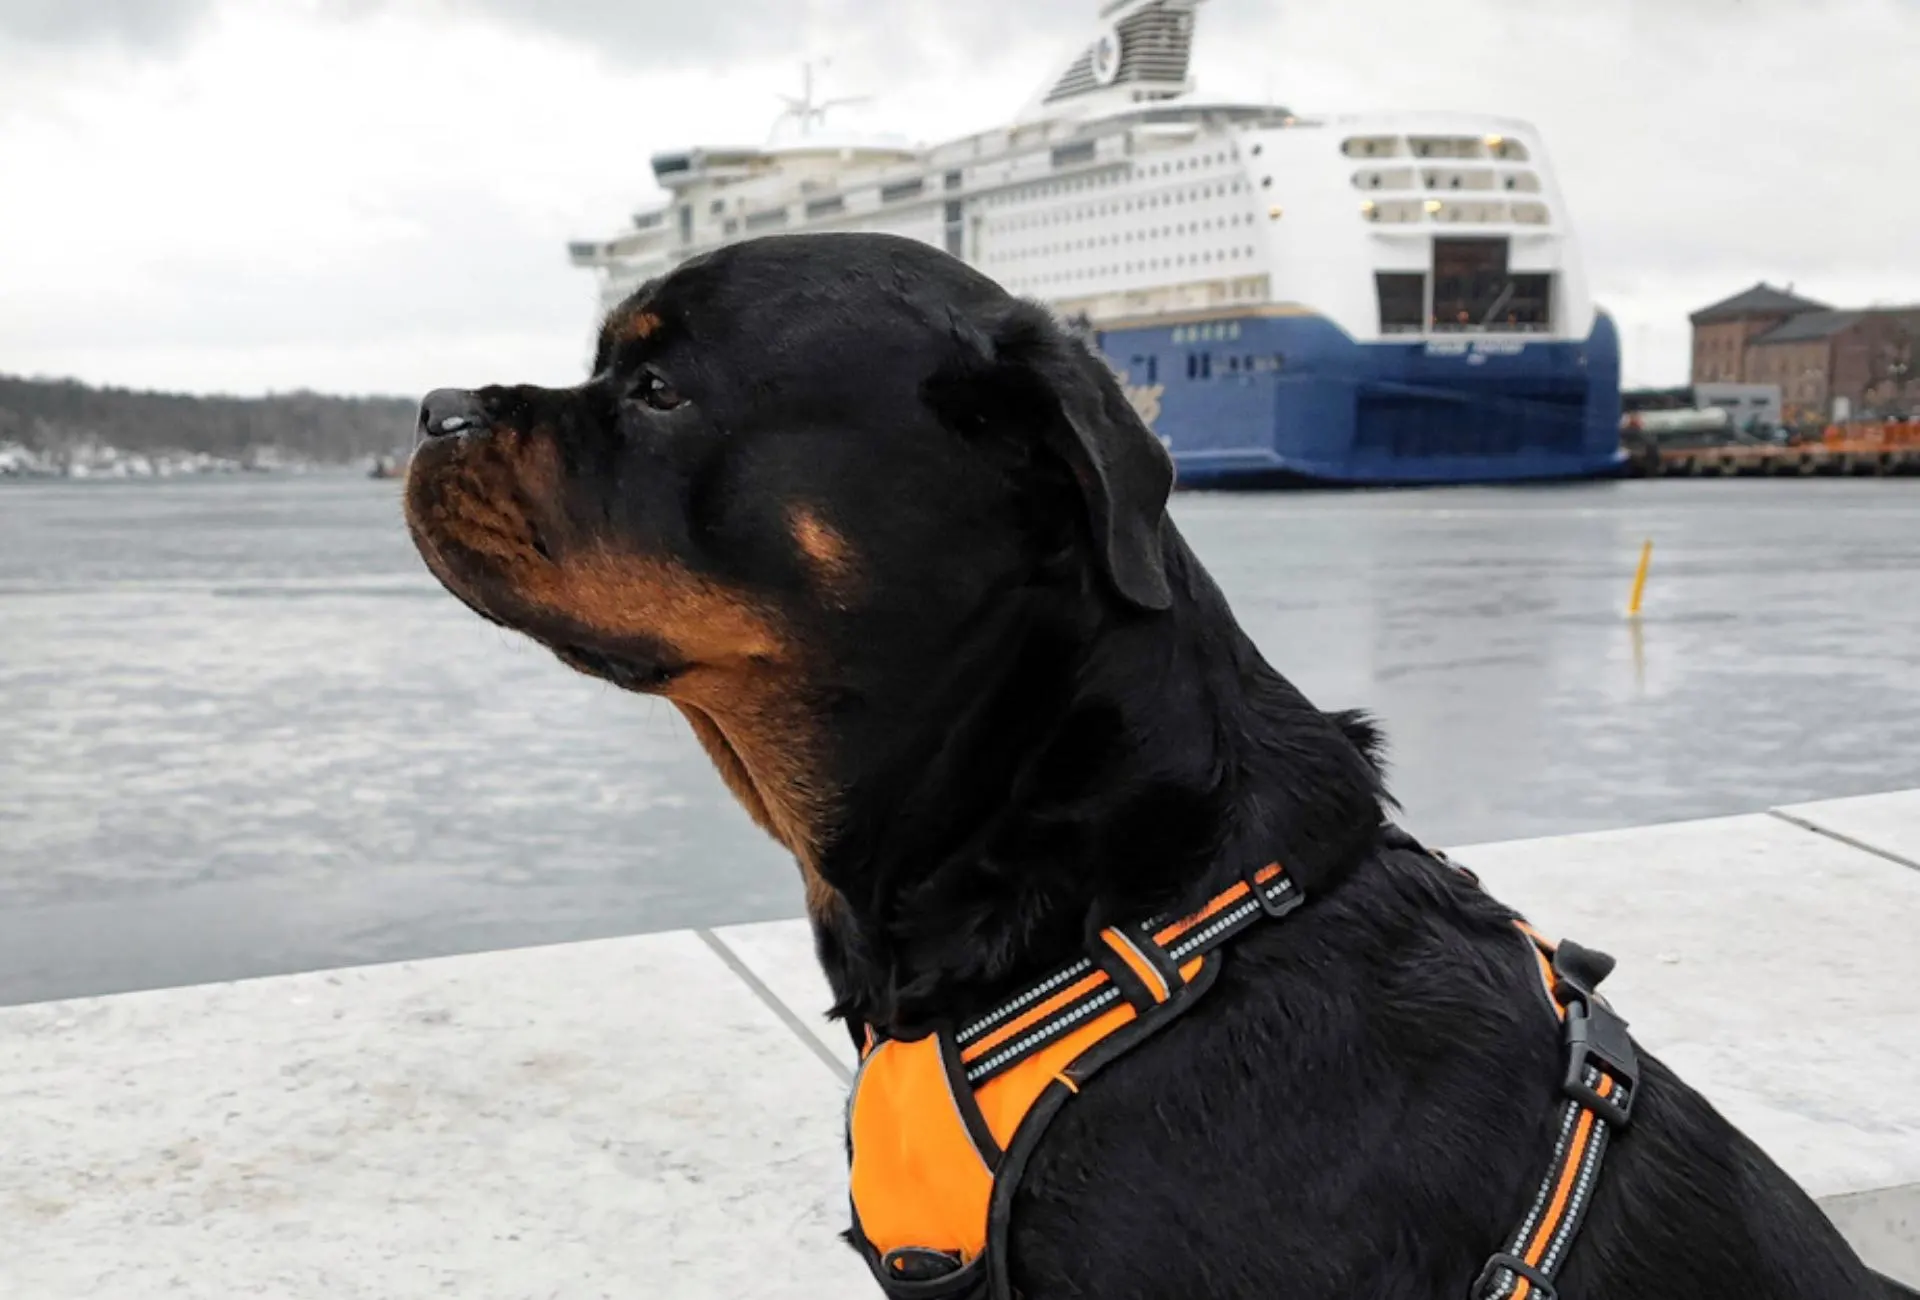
1640	579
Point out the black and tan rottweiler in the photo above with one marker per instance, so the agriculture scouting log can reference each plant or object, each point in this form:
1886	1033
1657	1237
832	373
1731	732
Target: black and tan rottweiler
898	549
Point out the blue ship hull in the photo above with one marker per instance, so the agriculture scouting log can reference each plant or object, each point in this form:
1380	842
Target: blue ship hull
1268	398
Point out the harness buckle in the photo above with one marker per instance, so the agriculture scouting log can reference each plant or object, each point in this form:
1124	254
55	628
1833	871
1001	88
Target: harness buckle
921	1273
1484	1285
1596	1035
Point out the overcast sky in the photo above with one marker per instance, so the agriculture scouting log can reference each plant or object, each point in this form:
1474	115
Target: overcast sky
375	195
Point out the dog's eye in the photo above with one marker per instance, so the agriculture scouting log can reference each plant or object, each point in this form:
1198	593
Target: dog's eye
658	393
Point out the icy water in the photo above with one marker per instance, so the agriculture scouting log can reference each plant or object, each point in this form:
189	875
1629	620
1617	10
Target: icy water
243	732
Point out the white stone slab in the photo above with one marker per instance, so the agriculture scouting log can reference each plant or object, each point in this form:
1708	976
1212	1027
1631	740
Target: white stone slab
780	954
1773	968
661	1116
617	1118
1888	823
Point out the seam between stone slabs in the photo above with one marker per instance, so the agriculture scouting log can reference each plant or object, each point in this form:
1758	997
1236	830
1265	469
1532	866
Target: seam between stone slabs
774	1004
1847	840
1872	1195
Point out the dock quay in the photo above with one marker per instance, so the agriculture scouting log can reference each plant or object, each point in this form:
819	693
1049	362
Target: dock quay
1738	461
1876	451
660	1114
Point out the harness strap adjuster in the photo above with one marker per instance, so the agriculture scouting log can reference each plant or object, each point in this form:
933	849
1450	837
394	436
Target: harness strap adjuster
1277	896
1488	1285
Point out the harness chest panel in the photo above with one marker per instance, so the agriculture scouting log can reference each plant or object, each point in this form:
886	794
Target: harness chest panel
939	1124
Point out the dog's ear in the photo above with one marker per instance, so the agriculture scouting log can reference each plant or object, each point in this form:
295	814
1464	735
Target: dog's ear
1023	374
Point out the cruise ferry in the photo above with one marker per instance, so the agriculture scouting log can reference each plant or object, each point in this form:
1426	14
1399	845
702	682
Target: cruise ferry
1370	298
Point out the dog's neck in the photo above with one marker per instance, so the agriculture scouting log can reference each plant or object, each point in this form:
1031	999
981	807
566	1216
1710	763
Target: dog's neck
1081	766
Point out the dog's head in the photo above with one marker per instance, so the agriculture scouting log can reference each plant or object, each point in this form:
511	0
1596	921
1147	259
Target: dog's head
803	470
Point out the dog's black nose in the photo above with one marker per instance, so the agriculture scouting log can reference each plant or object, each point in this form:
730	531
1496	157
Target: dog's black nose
447	411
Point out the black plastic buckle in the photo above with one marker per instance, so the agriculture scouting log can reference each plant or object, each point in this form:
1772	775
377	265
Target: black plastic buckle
1596	1035
1288	898
1597	1039
918	1273
1483	1286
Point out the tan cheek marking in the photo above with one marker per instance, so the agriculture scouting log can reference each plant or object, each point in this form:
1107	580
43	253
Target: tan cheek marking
828	553
636	596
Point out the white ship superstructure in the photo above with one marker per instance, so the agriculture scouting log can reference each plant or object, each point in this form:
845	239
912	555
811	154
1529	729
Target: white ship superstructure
1119	196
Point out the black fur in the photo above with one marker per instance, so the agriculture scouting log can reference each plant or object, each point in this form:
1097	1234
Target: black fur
1044	719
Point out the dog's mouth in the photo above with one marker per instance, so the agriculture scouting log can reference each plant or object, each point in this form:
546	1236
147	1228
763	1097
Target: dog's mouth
642	673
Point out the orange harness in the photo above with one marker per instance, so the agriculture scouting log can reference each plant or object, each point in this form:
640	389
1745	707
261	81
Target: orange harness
941	1124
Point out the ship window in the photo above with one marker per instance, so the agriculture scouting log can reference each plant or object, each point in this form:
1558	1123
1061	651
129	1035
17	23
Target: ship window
1473	290
823	207
1449	146
769	218
1512	150
686	223
953	180
1369	146
899	190
1402	211
1531	307
1068	154
715	208
1403	301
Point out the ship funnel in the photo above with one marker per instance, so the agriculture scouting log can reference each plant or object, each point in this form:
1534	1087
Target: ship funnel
1139	50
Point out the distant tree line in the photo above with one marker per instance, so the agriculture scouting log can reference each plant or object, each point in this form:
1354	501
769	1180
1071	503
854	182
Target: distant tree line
49	415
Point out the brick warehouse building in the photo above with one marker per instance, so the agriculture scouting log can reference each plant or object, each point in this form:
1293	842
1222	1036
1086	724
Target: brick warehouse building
1828	363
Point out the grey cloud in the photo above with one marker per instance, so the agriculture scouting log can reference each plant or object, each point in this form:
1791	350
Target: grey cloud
659	33
139	24
655	34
